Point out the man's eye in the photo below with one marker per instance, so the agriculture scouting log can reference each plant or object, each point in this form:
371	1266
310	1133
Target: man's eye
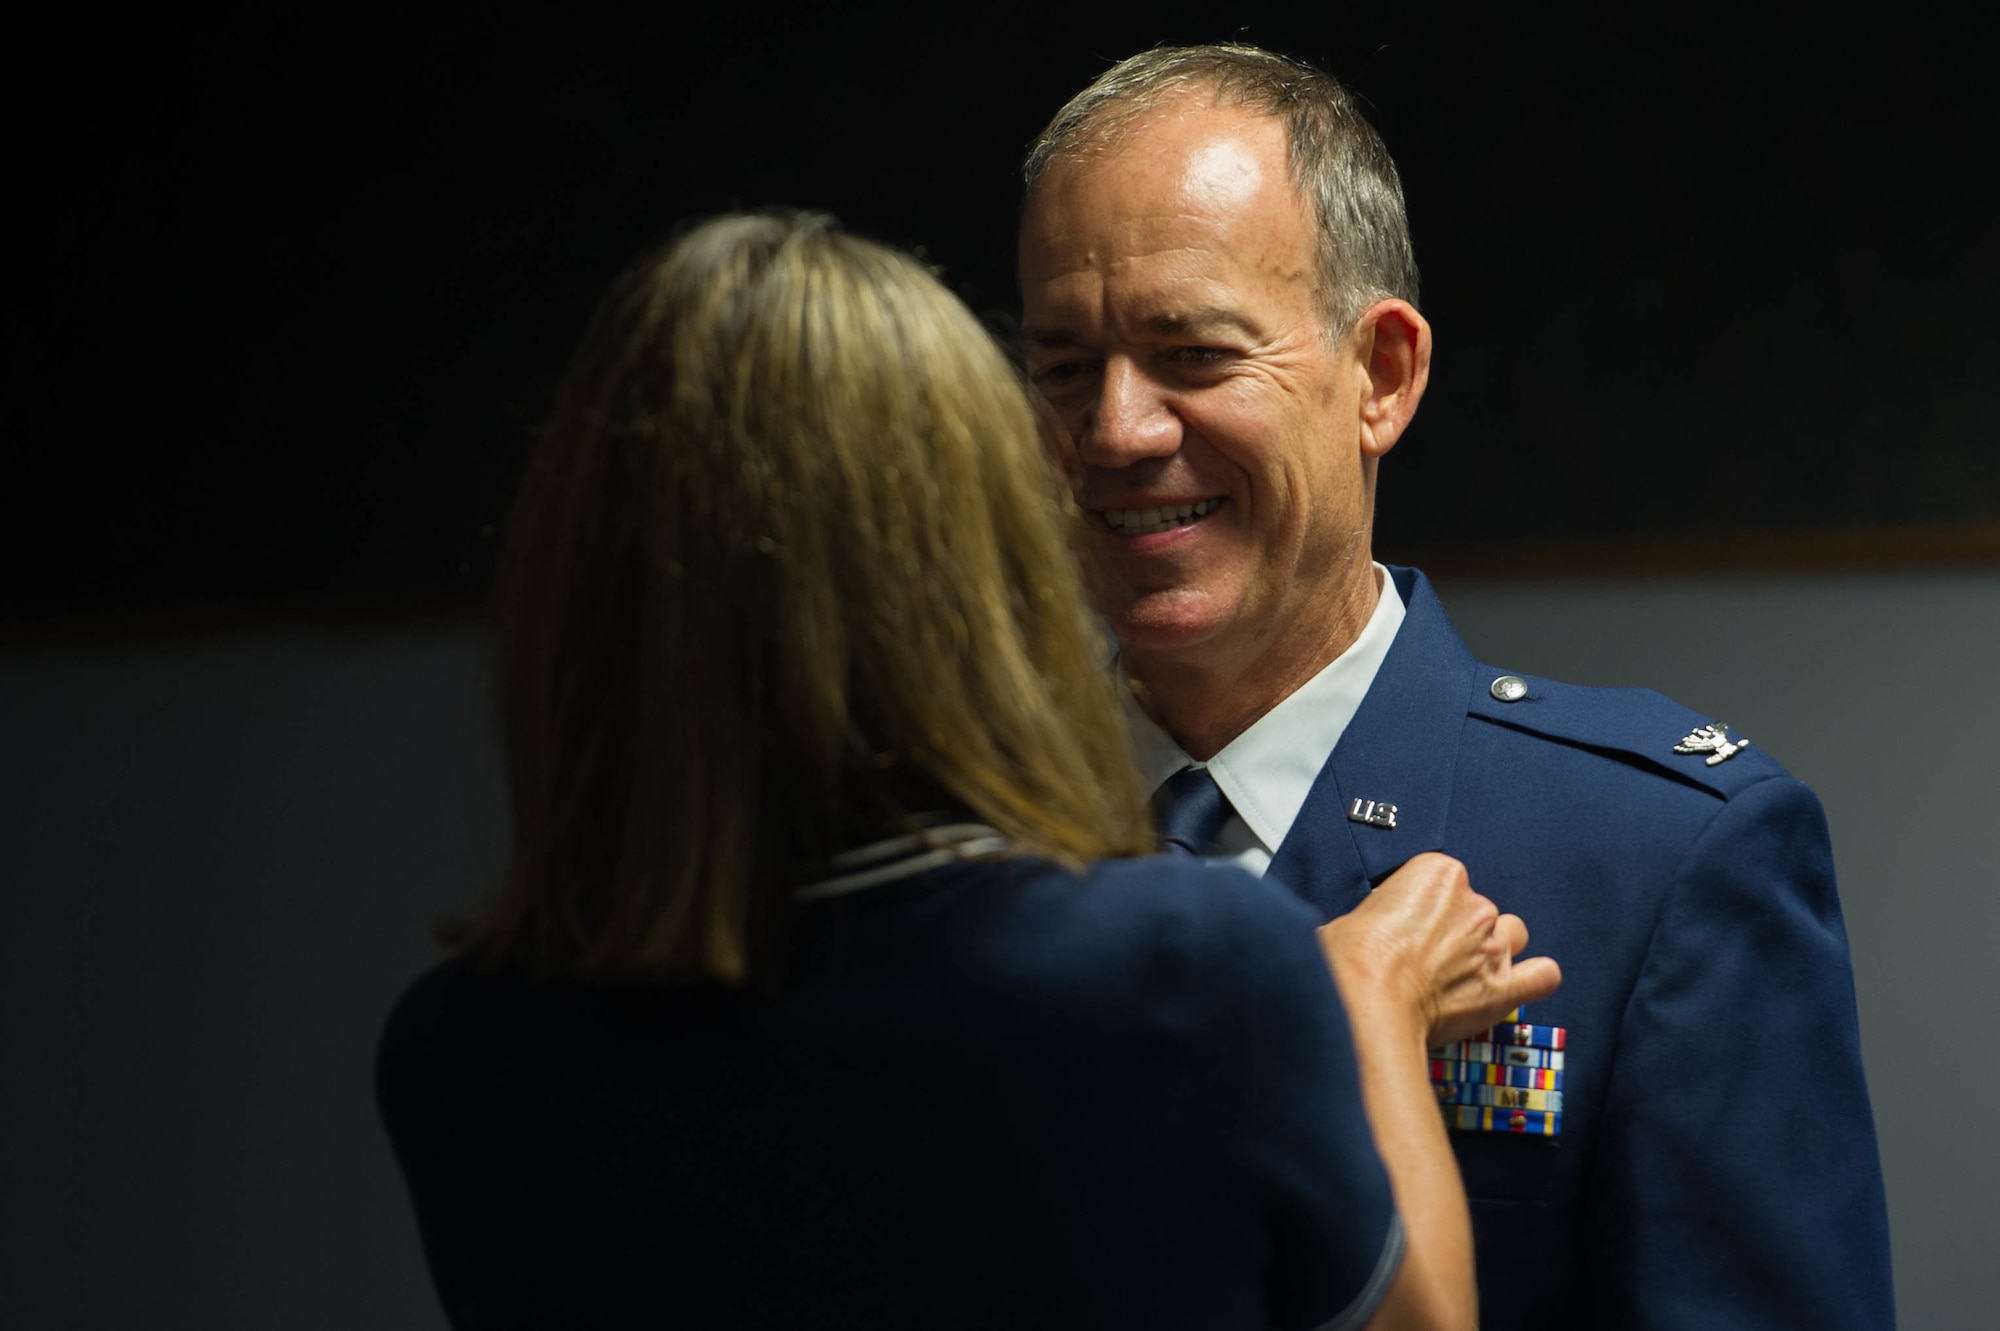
1202	355
1058	373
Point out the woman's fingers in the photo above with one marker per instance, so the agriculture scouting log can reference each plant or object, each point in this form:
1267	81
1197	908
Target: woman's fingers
1476	1007
1426	941
1535	979
1490	983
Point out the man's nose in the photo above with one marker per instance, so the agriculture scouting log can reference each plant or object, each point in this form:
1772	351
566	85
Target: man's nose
1130	422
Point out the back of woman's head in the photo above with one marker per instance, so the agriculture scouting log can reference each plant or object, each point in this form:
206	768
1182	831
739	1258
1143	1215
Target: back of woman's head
787	570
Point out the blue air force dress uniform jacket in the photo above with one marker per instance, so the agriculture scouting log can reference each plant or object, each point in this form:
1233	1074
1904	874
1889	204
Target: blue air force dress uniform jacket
1716	1163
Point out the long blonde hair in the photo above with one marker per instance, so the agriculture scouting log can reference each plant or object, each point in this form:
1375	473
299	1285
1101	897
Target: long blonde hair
788	568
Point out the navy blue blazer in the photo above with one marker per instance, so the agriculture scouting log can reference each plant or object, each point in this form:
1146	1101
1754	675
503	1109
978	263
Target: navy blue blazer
994	1095
1717	1163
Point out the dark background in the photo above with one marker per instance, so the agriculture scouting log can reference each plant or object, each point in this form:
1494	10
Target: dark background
298	283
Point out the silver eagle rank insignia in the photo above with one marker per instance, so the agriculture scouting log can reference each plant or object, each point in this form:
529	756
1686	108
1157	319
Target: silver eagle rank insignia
1713	740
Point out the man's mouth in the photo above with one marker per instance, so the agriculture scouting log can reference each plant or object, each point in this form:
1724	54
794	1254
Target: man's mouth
1147	521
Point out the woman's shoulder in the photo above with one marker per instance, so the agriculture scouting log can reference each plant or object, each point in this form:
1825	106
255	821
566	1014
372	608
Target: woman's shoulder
1168	889
462	1007
451	1001
1158	919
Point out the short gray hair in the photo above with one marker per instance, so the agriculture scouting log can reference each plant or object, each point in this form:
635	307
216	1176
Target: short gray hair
1338	162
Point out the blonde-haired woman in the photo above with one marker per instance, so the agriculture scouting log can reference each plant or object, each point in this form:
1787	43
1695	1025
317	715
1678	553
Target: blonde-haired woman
831	984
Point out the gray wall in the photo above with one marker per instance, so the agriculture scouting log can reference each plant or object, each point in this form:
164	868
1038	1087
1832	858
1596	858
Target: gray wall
218	861
219	857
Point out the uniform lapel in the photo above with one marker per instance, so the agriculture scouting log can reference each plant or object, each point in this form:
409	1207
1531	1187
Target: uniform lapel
1401	749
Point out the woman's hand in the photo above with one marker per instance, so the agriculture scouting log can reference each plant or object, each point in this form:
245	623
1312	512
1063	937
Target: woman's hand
1429	946
1423	961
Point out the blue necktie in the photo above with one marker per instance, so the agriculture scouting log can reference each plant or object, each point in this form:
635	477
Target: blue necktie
1192	810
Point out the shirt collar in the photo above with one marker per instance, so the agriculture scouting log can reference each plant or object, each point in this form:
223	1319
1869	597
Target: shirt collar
1269	769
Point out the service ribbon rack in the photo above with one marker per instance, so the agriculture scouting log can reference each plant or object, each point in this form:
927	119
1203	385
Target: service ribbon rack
1505	1079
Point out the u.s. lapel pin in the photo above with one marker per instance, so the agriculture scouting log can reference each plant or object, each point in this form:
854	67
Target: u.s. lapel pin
1713	740
1372	812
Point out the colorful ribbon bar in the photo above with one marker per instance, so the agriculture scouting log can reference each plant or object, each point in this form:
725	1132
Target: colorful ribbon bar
1523	1035
1471	1118
1474	1051
1496	1074
1500	1097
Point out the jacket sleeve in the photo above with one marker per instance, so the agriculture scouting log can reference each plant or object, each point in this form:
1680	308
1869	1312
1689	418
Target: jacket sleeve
1739	1182
1329	1217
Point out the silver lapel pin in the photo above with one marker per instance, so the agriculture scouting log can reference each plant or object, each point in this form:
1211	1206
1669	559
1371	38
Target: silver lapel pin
1713	740
1372	812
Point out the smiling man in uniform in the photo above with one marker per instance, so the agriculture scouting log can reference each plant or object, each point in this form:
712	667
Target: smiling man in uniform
1219	301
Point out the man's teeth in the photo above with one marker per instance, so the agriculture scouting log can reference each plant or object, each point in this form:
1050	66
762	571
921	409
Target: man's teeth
1146	521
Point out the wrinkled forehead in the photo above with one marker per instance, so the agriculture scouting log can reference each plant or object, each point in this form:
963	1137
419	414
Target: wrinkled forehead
1147	124
1204	179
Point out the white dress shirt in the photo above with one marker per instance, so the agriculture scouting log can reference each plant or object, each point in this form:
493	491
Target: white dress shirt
1269	769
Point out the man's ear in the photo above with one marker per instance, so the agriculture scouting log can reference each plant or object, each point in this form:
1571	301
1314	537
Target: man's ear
1394	343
